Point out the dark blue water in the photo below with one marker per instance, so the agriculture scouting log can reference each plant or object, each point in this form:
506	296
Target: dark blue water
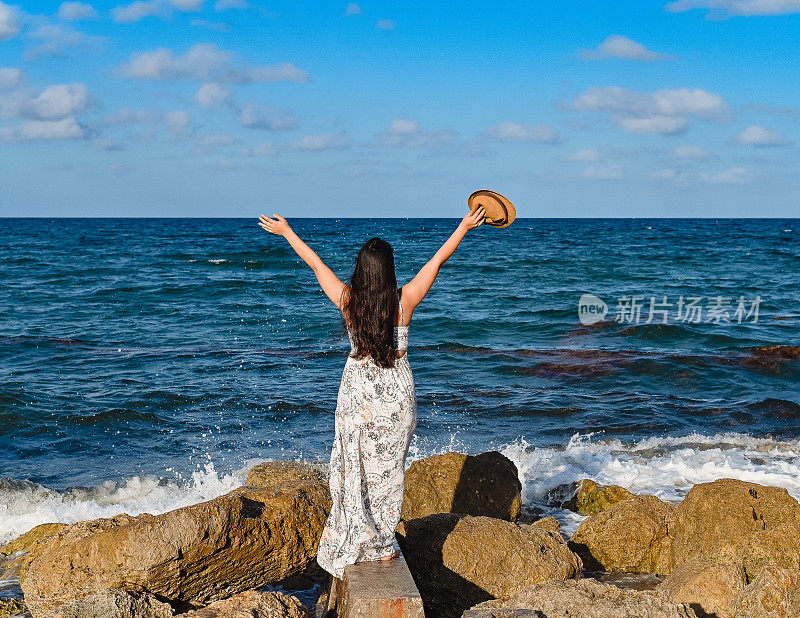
151	349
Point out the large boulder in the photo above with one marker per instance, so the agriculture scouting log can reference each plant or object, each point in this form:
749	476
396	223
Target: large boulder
277	473
26	541
775	593
708	586
199	553
737	522
39	544
113	604
459	560
630	536
585	598
485	484
551	524
253	604
591	498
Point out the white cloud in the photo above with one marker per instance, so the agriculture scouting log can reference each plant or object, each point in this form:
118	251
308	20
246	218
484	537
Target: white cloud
738	7
776	110
255	116
608	172
9	22
618	46
75	11
10	77
690	152
54	102
175	121
404	126
61	100
126	116
105	143
584	155
222	5
55	39
65	128
127	13
215	139
759	136
666	125
320	142
734	175
668	175
679	101
211	94
408	133
219	26
663	111
188	5
178	121
385	24
265	149
352	9
205	61
521	132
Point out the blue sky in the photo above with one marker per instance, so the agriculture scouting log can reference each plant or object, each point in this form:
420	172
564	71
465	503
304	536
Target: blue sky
233	107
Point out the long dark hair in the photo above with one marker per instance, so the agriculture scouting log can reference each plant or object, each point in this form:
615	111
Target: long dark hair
370	303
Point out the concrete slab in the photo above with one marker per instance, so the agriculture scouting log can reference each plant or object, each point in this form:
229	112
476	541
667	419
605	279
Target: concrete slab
501	613
380	589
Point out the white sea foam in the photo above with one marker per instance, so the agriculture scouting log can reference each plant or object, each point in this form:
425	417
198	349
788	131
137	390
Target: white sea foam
666	467
24	504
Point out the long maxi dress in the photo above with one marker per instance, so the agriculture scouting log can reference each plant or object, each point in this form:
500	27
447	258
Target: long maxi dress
376	414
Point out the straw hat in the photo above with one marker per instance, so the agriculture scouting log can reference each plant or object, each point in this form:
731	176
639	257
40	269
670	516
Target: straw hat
500	212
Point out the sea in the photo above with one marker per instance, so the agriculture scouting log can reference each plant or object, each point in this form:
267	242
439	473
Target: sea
147	364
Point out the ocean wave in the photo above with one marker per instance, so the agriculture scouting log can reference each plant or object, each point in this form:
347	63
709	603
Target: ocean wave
24	504
664	466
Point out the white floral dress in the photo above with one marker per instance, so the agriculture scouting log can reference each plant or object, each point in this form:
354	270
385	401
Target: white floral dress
376	414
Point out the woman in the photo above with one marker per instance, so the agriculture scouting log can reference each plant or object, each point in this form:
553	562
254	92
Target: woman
376	406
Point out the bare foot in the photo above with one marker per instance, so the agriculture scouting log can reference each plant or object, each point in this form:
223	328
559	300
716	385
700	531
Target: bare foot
387	558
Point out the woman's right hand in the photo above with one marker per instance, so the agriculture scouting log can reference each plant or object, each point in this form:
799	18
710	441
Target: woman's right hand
473	219
278	225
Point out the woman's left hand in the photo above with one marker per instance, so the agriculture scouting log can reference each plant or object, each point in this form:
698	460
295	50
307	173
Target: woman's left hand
473	219
278	225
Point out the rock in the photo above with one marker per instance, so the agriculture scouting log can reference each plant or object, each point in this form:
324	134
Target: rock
631	536
591	498
774	593
529	514
485	484
735	521
707	586
65	535
276	473
459	560
548	523
27	540
200	553
585	598
113	604
253	604
9	607
778	546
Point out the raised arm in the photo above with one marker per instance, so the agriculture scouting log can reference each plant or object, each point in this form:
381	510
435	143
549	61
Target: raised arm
328	281
416	289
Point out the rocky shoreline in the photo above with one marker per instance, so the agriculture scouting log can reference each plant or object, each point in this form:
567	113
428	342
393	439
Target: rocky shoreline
730	549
